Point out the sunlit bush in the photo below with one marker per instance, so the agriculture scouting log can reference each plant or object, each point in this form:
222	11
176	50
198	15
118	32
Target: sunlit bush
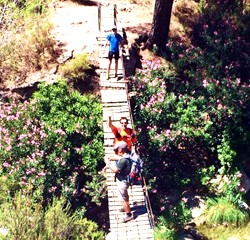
53	144
26	42
193	114
222	211
25	219
75	68
163	231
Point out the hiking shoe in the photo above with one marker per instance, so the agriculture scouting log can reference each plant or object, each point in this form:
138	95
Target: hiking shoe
121	210
128	218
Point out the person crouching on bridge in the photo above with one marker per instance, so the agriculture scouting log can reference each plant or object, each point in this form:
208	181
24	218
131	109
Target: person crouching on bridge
123	132
122	170
115	40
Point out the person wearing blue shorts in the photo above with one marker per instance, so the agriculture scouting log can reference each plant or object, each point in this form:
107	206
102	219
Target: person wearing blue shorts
115	40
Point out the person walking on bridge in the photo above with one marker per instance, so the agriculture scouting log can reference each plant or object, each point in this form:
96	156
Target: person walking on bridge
121	169
115	40
123	132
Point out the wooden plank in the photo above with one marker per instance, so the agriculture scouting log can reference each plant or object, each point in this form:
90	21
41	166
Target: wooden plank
113	84
118	225
115	118
115	101
126	234
110	95
114	104
137	218
139	197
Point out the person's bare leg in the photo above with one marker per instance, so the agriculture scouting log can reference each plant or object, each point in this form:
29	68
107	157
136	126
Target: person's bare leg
129	216
109	66
116	67
126	206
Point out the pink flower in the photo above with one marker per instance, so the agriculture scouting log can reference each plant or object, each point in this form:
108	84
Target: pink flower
8	148
219	106
60	131
41	173
205	26
154	191
6	164
168	132
205	83
237	81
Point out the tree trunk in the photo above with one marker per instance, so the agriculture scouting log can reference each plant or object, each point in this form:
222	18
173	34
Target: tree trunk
160	26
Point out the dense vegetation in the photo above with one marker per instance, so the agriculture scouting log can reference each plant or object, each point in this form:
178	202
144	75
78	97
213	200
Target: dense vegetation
52	147
192	116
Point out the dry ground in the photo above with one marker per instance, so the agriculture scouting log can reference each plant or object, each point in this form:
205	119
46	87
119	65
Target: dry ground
76	23
76	27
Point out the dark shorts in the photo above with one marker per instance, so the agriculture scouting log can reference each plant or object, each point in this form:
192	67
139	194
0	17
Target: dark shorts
113	54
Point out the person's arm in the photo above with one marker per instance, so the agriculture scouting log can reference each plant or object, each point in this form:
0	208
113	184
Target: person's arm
114	129
111	125
112	167
133	137
107	42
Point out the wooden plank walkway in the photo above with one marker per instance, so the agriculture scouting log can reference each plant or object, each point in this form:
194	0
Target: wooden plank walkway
115	100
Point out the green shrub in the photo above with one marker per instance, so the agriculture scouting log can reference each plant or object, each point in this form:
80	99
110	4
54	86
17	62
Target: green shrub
173	216
61	224
26	42
222	211
53	144
162	231
22	217
25	219
84	229
57	220
221	232
75	68
36	50
192	114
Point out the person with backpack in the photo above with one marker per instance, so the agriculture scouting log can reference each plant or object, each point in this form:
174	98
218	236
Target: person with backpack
122	169
123	132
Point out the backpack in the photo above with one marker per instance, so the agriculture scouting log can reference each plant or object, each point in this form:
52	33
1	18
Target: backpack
134	177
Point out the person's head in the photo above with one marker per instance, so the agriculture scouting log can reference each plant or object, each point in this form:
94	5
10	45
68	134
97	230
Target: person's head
114	30
124	122
120	148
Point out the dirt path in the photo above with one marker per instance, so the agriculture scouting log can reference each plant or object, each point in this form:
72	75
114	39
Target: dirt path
76	26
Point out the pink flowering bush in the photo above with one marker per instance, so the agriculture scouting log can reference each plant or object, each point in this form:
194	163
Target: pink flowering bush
193	113
52	144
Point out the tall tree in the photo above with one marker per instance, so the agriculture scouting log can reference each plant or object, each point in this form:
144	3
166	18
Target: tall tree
160	26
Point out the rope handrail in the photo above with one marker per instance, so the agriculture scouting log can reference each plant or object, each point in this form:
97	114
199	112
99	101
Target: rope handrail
114	94
100	15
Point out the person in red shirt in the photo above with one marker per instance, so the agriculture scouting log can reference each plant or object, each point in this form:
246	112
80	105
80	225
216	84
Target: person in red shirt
122	132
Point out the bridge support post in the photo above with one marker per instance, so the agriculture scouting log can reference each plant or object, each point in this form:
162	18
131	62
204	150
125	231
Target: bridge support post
115	13
99	17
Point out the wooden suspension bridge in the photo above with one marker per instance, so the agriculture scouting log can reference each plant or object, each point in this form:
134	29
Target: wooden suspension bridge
114	94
